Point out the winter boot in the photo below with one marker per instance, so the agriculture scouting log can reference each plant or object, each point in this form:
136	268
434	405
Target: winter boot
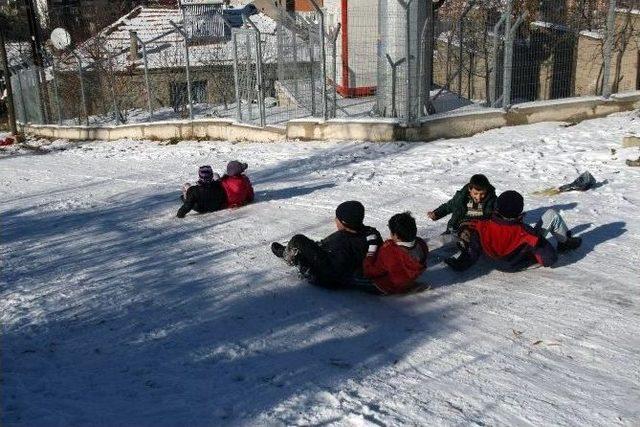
570	244
459	262
634	162
278	249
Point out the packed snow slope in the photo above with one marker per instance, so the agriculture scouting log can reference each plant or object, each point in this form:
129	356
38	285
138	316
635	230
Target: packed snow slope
115	312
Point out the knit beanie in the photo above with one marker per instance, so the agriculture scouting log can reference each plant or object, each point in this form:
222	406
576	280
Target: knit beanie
205	174
351	214
510	204
235	168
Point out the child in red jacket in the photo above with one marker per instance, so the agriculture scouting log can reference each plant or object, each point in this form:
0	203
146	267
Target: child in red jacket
511	244
237	185
401	259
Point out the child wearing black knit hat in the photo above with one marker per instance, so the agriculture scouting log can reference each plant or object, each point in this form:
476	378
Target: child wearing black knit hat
336	261
206	196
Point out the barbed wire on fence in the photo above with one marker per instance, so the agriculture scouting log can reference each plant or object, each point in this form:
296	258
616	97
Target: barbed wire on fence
389	58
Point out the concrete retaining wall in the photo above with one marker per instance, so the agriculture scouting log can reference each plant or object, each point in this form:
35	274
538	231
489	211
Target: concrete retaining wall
197	129
453	125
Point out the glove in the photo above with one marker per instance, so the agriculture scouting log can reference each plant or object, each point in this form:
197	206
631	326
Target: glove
373	240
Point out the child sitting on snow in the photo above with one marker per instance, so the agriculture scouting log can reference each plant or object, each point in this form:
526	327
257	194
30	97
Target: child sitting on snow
512	244
207	196
336	261
396	265
473	201
237	185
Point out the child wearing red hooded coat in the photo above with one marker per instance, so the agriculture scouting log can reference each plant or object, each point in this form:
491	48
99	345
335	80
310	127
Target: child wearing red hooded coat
237	185
396	265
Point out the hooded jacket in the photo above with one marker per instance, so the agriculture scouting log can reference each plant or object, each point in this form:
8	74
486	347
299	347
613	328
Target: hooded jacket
460	204
238	189
204	197
513	244
347	251
394	268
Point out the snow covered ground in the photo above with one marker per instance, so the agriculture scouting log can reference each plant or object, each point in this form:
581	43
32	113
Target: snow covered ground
114	312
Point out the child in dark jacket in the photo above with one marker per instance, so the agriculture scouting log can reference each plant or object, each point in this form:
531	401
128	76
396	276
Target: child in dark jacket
475	200
336	261
237	185
401	259
206	196
512	244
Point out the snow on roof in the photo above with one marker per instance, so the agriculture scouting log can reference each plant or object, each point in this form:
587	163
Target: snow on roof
165	52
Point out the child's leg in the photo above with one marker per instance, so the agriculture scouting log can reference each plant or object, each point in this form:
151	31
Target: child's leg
310	257
185	187
552	223
469	250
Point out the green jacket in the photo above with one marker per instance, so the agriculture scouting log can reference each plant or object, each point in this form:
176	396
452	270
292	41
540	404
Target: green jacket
459	205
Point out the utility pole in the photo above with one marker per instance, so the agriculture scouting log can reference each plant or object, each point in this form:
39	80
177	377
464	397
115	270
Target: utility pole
7	78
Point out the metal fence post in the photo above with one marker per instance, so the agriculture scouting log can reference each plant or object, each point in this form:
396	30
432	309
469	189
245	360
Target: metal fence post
236	76
323	58
23	107
146	73
333	34
608	49
510	35
56	91
461	50
112	91
82	92
466	11
493	78
311	76
280	44
247	63
187	65
424	87
508	57
259	81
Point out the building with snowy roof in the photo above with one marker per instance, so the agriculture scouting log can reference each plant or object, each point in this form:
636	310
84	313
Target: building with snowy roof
114	61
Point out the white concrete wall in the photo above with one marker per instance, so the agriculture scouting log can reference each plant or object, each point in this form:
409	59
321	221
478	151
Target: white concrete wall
377	130
197	129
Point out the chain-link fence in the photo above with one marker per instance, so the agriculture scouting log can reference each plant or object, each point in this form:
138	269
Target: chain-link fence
405	59
500	53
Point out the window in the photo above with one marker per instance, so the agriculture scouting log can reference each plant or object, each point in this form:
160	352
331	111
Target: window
179	97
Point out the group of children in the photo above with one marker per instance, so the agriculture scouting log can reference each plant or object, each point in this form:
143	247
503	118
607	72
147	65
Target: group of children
356	256
212	193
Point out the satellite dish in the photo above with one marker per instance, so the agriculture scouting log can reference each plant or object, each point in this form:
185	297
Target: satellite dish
60	38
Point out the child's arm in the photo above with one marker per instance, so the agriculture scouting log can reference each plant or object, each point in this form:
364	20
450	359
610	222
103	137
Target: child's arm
188	204
372	266
444	209
251	195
